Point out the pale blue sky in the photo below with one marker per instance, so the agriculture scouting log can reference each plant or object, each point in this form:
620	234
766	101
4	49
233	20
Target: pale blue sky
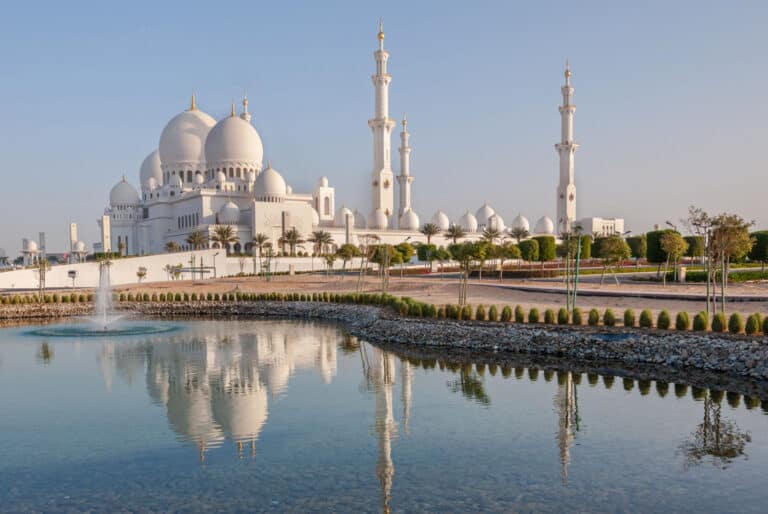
671	101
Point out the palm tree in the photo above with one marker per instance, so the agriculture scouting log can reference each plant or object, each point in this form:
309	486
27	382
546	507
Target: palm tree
292	238
224	235
518	233
455	232
171	246
429	230
491	235
197	240
320	240
261	241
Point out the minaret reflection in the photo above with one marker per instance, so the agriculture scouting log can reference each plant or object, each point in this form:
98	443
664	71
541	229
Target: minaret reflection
566	405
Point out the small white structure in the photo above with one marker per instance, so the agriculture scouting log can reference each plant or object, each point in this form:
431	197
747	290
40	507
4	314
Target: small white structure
602	227
29	251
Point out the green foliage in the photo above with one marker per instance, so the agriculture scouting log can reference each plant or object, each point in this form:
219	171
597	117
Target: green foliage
562	316
145	297
736	323
594	318
765	325
466	312
547	250
177	297
629	318
682	321
577	317
655	254
752	326
612	249
64	299
529	250
427	252
549	317
415	310
664	321
533	315
56	298
759	251
700	322
130	297
646	319
506	314
493	313
441	312
480	313
695	246
609	318
519	314
586	247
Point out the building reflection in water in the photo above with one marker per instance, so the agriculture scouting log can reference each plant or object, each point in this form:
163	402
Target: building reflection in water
567	408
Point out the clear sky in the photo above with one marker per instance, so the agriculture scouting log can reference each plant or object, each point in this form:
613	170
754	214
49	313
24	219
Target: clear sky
671	101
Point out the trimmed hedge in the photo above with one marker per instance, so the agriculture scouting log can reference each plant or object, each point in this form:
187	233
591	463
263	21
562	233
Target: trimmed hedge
629	318
519	314
682	321
577	317
664	321
506	314
646	319
533	315
736	323
562	316
549	317
718	323
594	318
609	318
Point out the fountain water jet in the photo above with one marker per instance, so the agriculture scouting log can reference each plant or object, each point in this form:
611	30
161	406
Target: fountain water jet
103	301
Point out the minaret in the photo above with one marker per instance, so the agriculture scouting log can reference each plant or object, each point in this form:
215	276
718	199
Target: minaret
245	114
381	126
404	179
566	190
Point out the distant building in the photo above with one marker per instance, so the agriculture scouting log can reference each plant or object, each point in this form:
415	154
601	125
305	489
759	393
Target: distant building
602	227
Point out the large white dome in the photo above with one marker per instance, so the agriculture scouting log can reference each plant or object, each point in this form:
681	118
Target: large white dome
520	222
270	186
182	142
441	220
544	226
233	142
378	220
340	219
468	222
483	214
409	220
123	194
229	214
496	222
150	168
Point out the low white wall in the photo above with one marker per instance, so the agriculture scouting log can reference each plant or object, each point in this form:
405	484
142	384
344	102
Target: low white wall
245	265
123	271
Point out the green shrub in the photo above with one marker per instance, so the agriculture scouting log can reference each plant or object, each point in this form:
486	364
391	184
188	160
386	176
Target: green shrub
154	297
594	318
91	296
765	325
130	297
193	297
609	318
415	310
506	314
549	317
493	313
664	321
177	297
82	299
56	298
216	297
441	314
480	313
562	316
145	297
752	326
682	321
629	318
46	298
718	323
533	315
700	322
161	297
403	309
519	314
65	299
466	312
646	318
736	323
73	298
577	317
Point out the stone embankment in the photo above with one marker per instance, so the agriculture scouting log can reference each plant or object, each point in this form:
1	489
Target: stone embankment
741	356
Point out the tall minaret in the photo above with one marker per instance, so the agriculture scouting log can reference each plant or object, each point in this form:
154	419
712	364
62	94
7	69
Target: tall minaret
566	190
404	179
382	125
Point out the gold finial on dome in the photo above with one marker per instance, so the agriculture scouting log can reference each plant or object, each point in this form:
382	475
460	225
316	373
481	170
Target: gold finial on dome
567	69
381	29
232	112
405	120
193	104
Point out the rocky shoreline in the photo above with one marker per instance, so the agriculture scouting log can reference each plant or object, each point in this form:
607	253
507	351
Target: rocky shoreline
711	357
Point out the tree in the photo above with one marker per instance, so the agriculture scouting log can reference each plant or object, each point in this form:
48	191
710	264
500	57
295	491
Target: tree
465	254
654	253
730	241
429	230
529	250
320	240
170	247
197	240
638	246
586	247
613	250
292	238
518	234
141	273
366	248
546	248
759	251
505	251
720	439
695	246
490	235
426	253
225	236
330	258
442	255
454	233
674	246
260	241
407	251
346	253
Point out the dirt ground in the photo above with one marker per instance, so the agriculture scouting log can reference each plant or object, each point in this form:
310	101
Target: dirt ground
487	291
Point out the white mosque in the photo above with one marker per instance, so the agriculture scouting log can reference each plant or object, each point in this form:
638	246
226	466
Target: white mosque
207	173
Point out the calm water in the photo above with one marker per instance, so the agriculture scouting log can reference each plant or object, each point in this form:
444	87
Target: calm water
288	416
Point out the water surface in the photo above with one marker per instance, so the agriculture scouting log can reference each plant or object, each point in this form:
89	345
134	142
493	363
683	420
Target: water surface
291	416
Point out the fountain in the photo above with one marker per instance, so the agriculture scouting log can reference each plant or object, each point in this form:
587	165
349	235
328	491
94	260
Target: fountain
104	321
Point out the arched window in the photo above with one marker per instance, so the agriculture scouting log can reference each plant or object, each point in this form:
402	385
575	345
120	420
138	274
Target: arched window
327	206
231	172
189	175
239	174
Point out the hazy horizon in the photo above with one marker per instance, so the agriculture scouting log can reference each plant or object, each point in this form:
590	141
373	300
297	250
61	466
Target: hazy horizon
670	102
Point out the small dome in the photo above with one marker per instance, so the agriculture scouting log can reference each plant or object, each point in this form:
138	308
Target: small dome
79	247
468	222
483	214
520	221
229	214
496	222
221	177
378	220
441	220
359	219
150	168
315	218
270	186
123	194
409	220
323	181
152	184
233	142
176	182
28	245
199	179
182	141
544	226
340	220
